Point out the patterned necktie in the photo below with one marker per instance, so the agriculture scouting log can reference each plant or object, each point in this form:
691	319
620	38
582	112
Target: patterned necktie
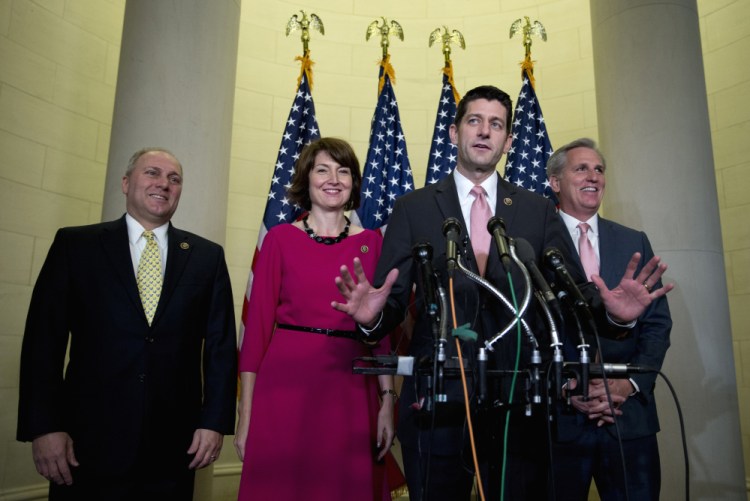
588	256
480	237
149	276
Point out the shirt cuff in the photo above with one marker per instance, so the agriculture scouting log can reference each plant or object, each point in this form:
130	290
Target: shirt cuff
636	389
367	331
628	325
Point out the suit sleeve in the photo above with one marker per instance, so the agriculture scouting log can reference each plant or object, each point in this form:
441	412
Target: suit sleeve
396	253
41	392
220	355
654	328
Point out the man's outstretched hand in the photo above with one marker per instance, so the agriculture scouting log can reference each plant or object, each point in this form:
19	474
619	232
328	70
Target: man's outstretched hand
363	302
633	294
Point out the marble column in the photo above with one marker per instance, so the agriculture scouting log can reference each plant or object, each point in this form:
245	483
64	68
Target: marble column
654	130
175	89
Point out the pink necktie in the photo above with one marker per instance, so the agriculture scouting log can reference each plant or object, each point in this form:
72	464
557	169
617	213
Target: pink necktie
480	237
588	257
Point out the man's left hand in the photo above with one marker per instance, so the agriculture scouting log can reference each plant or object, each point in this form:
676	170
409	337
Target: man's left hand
206	446
598	407
633	294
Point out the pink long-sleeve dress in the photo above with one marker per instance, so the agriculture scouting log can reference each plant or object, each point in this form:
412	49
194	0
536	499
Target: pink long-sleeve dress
312	425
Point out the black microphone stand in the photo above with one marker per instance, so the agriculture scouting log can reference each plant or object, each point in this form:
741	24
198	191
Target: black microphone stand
440	347
556	344
582	346
535	363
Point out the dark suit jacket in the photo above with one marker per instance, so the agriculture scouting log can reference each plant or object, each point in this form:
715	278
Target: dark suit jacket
127	384
645	346
417	218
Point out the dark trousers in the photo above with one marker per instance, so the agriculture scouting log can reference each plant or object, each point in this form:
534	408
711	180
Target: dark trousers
451	477
153	486
158	473
595	454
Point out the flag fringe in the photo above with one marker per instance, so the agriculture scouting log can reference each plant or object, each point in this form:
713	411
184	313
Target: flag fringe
400	492
448	71
527	68
306	70
385	64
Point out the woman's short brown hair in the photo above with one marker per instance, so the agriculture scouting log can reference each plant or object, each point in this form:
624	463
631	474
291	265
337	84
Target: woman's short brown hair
341	152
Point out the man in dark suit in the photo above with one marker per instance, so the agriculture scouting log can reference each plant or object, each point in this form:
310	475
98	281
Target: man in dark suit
437	452
150	385
587	442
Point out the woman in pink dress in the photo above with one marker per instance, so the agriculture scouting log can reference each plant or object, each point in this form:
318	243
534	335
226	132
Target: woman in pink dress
317	431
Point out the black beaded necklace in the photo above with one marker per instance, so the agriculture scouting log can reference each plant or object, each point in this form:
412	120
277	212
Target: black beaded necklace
326	240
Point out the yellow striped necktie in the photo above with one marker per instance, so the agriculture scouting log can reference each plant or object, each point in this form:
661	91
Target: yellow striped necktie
149	276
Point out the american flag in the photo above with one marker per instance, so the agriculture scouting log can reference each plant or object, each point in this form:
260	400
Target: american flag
530	149
442	159
301	129
387	173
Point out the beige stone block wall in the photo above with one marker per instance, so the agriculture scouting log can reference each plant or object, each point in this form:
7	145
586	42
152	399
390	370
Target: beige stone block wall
725	35
58	68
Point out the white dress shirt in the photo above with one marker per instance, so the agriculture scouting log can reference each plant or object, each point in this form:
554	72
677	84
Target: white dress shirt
138	243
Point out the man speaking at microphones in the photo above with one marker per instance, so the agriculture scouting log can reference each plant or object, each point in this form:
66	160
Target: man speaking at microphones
437	448
587	443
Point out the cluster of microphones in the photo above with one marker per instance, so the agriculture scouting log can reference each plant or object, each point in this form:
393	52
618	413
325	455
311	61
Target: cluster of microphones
565	294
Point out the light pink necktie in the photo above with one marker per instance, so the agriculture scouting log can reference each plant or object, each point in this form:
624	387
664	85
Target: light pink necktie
480	237
588	256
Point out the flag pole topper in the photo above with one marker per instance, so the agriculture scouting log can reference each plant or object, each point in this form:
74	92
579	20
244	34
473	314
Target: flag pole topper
447	38
304	24
385	30
528	30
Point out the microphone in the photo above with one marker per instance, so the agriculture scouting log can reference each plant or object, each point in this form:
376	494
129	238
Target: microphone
612	370
548	301
553	258
496	226
451	230
422	253
482	368
526	255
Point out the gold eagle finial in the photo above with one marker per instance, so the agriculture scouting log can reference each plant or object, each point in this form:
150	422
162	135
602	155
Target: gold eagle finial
385	30
536	28
447	39
304	23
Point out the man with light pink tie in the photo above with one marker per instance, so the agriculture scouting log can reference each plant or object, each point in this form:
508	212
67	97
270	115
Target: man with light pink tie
587	444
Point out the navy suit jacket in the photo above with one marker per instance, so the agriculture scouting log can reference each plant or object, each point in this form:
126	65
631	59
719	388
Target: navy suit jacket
645	346
128	386
417	218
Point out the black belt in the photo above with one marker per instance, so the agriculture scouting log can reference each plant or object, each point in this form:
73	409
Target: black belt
328	332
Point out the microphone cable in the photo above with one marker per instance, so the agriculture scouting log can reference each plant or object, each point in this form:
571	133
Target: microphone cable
512	388
467	406
682	433
612	411
680	416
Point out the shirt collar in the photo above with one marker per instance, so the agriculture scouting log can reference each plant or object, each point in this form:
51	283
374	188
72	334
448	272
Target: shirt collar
572	223
135	231
464	186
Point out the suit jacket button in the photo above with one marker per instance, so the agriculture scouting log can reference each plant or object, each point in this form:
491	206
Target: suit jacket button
150	339
141	378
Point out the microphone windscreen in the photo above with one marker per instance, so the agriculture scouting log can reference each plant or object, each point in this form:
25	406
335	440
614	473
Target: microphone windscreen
524	251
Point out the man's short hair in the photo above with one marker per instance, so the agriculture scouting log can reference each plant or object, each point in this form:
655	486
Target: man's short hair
149	149
490	93
556	162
